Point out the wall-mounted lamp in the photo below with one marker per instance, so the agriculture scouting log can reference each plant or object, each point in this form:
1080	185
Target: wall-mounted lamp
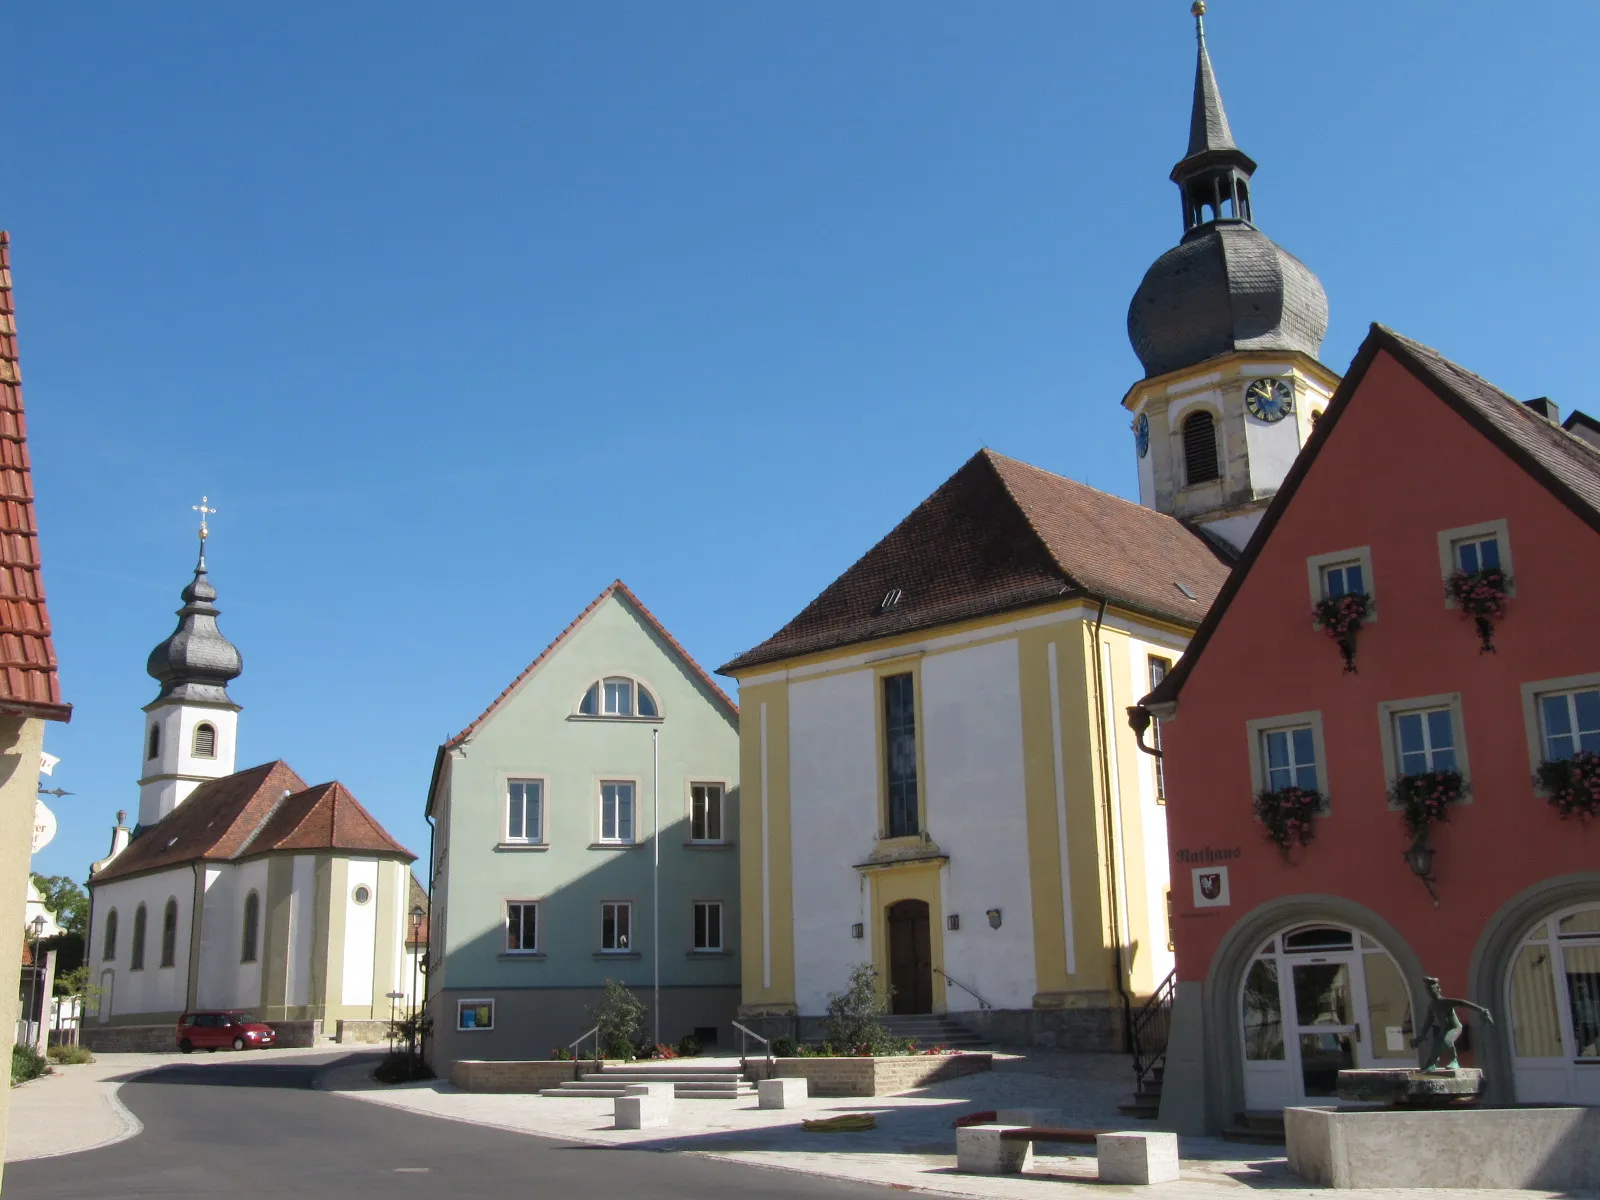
994	918
858	930
1420	859
953	922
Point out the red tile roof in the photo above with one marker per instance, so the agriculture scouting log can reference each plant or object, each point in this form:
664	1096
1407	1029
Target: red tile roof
617	588
28	680
253	812
999	535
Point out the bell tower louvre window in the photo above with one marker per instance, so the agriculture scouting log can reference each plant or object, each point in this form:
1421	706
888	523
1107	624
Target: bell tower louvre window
1200	449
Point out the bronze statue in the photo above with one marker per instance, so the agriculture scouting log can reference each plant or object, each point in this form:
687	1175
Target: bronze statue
1441	1027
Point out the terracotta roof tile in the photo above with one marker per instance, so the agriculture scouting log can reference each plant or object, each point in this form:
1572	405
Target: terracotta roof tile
28	679
998	535
617	588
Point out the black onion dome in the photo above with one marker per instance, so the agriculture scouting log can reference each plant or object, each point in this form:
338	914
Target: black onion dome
196	661
1226	286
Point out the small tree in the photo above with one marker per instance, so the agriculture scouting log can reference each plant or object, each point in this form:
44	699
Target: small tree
619	1017
853	1025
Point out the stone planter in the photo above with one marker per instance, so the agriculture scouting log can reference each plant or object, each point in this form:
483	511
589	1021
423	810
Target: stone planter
885	1076
513	1075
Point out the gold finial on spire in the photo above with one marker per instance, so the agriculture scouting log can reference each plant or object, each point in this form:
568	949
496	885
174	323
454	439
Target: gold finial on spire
1198	8
211	512
1198	11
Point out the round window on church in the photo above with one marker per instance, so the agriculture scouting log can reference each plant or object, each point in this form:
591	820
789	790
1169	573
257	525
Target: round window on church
362	894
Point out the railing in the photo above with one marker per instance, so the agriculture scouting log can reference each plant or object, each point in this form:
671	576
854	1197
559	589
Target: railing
744	1044
1151	1026
982	1003
583	1037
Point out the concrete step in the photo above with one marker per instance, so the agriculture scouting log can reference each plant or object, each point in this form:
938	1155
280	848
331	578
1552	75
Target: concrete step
622	1076
692	1091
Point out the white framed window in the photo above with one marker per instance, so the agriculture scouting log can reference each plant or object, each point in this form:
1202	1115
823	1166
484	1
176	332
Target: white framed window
616	811
621	697
708	925
1156	669
1287	751
474	1016
524	811
1476	554
522	927
1569	722
1342	573
616	927
1474	548
705	812
1423	734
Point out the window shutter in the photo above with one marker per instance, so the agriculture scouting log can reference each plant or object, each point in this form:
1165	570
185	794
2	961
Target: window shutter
1200	448
205	741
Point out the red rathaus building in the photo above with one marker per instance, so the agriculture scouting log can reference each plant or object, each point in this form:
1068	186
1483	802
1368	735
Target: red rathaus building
1379	752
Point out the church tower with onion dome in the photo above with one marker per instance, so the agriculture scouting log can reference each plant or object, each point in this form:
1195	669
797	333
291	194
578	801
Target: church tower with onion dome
190	730
1227	325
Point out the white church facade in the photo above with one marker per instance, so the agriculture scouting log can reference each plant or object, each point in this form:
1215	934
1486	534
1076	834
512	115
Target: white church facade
237	889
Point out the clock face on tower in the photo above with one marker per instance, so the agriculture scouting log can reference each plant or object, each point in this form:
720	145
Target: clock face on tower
1141	434
1269	399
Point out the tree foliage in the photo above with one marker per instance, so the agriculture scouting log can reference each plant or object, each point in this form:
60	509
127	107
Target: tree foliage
619	1017
68	901
853	1025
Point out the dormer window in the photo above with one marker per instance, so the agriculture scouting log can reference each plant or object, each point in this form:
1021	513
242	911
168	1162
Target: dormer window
618	696
205	741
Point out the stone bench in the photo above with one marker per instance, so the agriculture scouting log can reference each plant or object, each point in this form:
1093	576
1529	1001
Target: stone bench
642	1112
1140	1158
782	1093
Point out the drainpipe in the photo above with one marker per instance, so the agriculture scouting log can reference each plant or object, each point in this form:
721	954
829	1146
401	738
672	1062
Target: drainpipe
1111	846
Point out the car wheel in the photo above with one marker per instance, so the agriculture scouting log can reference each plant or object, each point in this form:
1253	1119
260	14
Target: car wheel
186	1046
238	1043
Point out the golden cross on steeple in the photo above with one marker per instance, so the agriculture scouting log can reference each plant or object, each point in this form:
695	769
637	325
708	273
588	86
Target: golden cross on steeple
204	513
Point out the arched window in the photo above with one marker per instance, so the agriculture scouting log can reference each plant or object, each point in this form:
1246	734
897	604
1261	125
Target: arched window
169	933
108	950
141	918
1200	449
252	924
205	741
154	746
618	696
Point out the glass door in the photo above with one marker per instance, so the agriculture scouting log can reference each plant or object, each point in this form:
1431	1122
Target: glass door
1327	997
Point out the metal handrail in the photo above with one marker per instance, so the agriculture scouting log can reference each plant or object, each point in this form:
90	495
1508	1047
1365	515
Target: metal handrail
982	1003
744	1043
583	1037
1150	1030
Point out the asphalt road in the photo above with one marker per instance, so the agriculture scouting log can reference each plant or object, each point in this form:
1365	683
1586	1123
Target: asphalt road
258	1129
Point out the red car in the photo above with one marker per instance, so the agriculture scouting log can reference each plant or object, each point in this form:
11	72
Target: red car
213	1030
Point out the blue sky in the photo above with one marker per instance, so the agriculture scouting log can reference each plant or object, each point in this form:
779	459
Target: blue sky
459	312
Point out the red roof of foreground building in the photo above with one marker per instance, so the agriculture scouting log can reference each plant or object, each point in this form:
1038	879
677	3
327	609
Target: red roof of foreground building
28	680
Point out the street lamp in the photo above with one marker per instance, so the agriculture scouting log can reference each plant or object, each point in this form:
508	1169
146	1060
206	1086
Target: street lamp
1420	859
416	957
35	927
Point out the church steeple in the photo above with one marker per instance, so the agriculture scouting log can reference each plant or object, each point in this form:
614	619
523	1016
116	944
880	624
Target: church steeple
1214	174
190	731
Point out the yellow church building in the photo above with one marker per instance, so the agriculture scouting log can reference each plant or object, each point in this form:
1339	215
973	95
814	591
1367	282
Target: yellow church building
938	776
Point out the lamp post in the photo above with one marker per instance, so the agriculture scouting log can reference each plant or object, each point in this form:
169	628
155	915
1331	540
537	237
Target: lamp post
1420	859
35	927
416	957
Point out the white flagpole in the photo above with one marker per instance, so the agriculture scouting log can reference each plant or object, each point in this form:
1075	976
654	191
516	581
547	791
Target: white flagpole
655	840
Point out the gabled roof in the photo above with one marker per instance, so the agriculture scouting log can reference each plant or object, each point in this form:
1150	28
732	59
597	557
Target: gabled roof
326	817
620	590
999	535
1566	465
252	812
28	680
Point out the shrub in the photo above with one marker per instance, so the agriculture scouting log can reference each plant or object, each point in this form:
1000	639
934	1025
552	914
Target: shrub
1289	816
619	1016
853	1013
70	1054
400	1068
1341	618
27	1063
1573	784
689	1046
561	1054
1427	797
785	1047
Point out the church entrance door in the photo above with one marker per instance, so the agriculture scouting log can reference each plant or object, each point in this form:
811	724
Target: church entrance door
910	958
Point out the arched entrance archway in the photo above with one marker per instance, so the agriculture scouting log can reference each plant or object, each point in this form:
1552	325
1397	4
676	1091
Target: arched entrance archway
1552	993
1315	1000
910	958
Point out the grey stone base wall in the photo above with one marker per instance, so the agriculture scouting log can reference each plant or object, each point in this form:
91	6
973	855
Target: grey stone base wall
1079	1030
531	1022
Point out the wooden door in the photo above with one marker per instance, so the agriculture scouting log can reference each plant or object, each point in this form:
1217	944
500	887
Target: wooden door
910	958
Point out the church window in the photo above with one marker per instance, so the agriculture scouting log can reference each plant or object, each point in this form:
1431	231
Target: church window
252	927
900	753
522	927
108	950
153	748
616	812
705	812
141	919
616	928
205	741
525	810
1158	668
618	696
1200	460
169	934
